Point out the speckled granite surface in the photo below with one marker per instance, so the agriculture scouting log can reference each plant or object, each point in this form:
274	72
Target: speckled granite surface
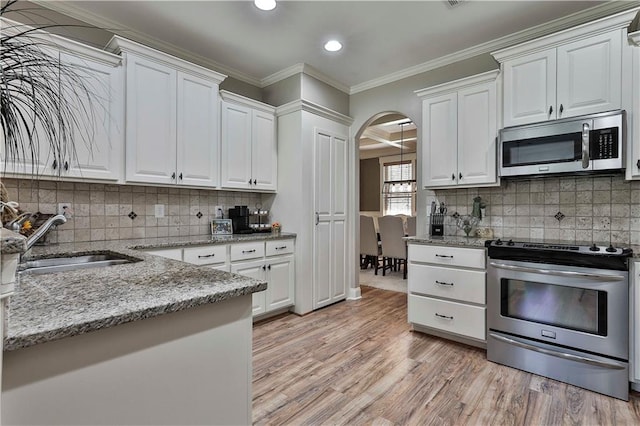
479	242
10	242
447	241
55	305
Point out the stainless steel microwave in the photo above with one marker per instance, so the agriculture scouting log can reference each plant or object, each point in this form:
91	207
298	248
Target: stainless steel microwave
590	143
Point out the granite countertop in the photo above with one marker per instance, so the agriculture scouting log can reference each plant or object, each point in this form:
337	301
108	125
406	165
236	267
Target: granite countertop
472	242
476	242
11	242
52	306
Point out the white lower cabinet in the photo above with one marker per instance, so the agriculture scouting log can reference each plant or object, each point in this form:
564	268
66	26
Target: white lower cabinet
271	261
634	325
447	290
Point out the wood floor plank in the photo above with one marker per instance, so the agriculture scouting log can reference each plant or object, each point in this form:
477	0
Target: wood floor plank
359	363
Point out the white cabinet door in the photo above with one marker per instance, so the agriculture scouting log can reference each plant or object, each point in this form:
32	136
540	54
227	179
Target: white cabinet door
530	88
264	152
150	122
99	134
477	134
254	270
236	145
589	75
634	324
35	157
280	278
330	201
439	139
197	131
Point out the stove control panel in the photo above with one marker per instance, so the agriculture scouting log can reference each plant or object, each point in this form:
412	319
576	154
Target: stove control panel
593	249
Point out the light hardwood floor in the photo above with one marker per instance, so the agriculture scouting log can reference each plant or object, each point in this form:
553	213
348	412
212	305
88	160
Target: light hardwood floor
358	362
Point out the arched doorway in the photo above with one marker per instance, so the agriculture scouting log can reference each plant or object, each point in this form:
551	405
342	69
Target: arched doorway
386	156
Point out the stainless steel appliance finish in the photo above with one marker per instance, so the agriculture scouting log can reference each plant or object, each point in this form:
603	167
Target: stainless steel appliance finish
587	144
561	311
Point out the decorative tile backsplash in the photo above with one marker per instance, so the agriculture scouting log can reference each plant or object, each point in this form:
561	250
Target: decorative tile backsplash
115	212
602	209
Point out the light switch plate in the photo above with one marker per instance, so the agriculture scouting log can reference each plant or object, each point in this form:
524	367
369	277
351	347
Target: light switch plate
159	210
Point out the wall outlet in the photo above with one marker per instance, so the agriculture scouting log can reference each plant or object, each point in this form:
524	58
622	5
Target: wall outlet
159	210
65	209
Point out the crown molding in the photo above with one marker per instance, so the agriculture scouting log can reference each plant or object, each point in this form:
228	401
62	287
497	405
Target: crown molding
69	9
303	105
252	103
635	38
461	83
516	38
302	68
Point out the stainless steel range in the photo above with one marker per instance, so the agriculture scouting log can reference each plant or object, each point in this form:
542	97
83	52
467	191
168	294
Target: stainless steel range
560	311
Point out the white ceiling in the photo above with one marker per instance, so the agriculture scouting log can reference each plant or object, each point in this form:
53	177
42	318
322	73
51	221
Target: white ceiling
381	38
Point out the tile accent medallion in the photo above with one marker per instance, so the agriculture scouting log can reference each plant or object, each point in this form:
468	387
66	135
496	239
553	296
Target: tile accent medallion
116	212
598	208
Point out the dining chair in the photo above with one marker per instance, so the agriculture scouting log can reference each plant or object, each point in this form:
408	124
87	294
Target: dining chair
369	248
411	226
394	248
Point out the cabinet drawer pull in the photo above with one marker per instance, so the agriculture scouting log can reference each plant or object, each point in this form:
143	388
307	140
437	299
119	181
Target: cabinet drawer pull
443	283
444	316
442	255
206	255
249	251
281	248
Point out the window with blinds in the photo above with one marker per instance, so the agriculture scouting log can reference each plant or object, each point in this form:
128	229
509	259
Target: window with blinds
398	188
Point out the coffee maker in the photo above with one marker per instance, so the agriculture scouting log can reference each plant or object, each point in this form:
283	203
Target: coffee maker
239	216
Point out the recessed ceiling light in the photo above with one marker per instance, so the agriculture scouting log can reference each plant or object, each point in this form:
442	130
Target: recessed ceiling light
265	4
333	45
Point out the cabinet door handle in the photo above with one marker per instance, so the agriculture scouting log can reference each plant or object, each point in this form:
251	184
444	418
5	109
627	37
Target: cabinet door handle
453	176
173	175
281	248
249	251
180	176
255	182
66	165
317	218
444	316
442	255
550	110
55	164
460	176
264	268
206	255
249	181
269	267
561	108
443	283
638	164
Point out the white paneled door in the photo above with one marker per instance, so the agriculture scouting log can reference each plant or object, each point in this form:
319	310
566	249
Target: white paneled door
330	206
236	145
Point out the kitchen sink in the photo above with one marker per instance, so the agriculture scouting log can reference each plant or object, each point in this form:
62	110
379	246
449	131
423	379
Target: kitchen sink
72	263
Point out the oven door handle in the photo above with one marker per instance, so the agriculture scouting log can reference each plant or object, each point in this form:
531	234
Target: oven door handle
585	360
568	274
585	145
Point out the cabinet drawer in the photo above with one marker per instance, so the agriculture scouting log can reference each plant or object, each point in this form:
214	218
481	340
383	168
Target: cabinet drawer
443	255
206	255
274	248
460	284
452	317
247	250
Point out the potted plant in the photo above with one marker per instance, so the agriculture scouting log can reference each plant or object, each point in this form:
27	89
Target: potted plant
33	112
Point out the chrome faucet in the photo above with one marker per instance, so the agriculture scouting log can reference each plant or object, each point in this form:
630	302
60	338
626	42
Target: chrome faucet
44	228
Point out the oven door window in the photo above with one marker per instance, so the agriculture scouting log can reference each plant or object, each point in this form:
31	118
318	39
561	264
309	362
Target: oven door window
545	150
572	308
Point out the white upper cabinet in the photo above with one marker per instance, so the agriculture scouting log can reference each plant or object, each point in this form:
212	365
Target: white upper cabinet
570	73
459	126
97	125
172	118
248	144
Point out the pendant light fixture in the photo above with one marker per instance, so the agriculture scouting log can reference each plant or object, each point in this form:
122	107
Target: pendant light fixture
401	185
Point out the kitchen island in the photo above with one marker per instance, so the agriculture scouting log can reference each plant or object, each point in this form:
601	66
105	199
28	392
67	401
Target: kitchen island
153	341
